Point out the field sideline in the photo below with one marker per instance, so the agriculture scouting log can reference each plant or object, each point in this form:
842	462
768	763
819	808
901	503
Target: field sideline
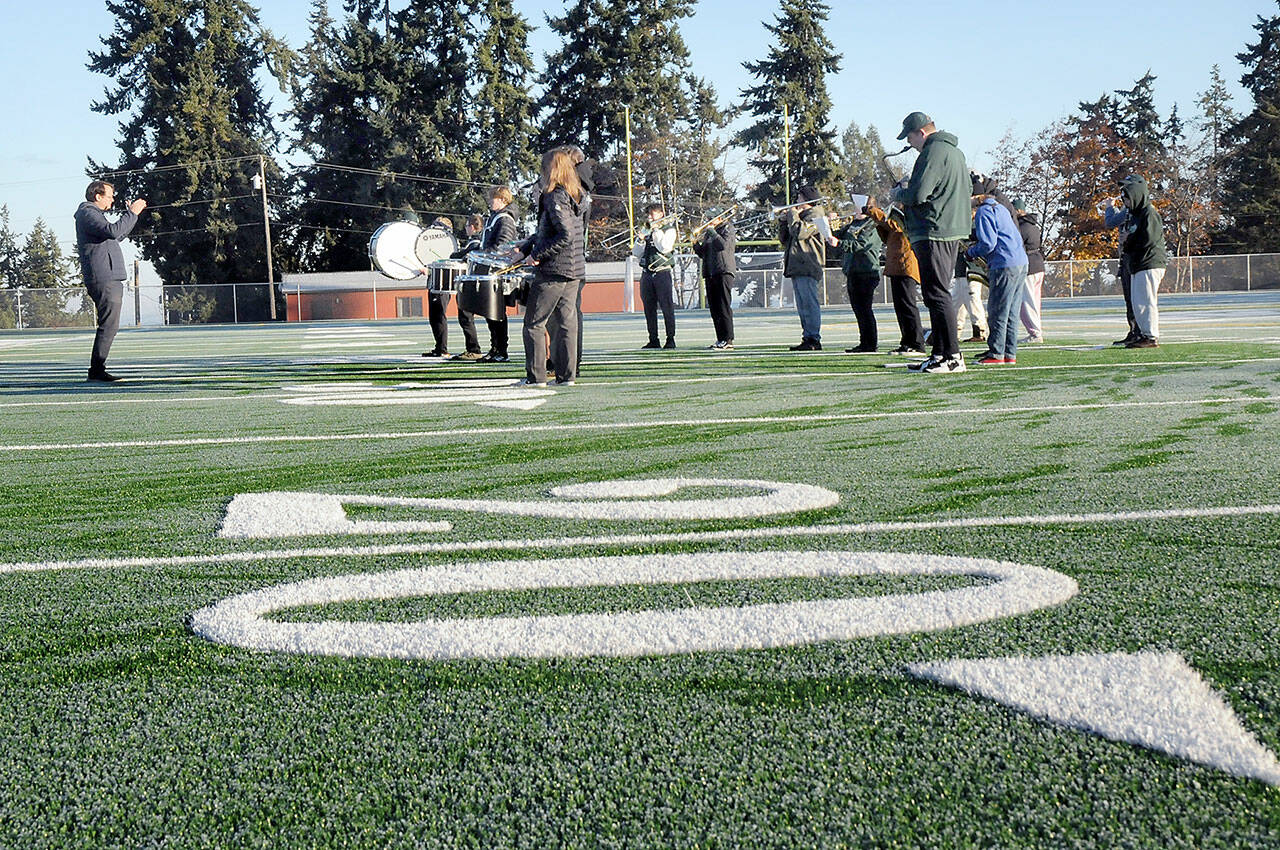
296	585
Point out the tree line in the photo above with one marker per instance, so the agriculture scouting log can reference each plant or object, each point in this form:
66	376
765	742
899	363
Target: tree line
411	109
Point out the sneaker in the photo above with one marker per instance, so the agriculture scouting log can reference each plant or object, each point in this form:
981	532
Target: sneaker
562	382
436	352
468	355
1123	343
976	338
1142	342
500	357
944	365
102	377
908	351
671	343
989	359
722	345
921	365
807	345
1009	361
653	343
526	382
1031	340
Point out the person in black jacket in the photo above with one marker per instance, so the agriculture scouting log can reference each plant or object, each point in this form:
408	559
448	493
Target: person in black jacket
558	254
1029	227
715	246
102	264
862	247
499	231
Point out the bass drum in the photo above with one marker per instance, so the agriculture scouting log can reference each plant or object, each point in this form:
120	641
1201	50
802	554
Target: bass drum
401	249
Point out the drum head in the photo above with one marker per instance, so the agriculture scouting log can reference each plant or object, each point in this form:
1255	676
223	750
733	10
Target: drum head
434	243
391	249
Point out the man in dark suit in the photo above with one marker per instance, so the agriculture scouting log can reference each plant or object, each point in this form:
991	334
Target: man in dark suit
102	264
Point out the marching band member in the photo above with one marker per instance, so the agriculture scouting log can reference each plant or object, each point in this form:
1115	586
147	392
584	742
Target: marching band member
861	266
436	303
715	246
805	234
903	271
500	230
558	254
466	319
653	248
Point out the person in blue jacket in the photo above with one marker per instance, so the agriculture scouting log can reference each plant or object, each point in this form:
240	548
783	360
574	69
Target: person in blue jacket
102	264
998	242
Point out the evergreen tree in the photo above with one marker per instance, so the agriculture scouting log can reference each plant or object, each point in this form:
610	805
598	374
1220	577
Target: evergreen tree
862	163
503	117
10	260
193	123
1251	171
46	276
1136	121
614	54
343	99
793	76
1216	114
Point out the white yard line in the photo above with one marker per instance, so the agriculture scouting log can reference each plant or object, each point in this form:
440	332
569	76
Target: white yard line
471	433
638	539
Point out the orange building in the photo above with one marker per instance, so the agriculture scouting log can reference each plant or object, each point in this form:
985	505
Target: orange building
370	295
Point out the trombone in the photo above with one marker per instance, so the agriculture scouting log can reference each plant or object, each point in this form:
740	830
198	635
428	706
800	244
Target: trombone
714	221
777	211
622	238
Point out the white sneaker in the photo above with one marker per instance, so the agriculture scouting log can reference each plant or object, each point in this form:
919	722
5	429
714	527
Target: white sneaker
924	365
525	382
944	366
1031	340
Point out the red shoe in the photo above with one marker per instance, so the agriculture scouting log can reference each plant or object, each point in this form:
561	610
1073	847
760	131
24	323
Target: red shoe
989	360
1009	361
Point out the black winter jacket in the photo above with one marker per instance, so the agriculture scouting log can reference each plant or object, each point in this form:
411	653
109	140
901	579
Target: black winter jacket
716	249
1029	227
558	245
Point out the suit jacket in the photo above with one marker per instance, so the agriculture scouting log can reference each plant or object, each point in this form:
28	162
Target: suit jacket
98	243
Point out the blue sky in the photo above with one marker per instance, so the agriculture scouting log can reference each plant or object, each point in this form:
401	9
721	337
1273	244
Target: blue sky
977	68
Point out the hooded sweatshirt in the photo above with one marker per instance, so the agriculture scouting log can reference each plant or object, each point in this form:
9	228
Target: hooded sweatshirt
1144	243
936	199
1029	227
998	240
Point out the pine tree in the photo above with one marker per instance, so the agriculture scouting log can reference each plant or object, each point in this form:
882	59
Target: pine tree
1216	114
503	115
10	260
343	97
193	123
46	276
1251	171
1138	124
793	76
863	167
614	54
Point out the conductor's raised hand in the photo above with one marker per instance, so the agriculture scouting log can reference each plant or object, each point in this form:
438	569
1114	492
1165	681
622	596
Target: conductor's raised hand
137	205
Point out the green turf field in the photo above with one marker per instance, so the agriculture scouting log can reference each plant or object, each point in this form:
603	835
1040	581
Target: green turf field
713	661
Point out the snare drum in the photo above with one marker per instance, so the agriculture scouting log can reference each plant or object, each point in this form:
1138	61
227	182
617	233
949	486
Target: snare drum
444	275
401	249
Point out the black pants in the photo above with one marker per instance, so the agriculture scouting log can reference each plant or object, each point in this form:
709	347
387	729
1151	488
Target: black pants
436	304
107	298
467	321
1126	286
720	303
862	291
937	269
906	307
499	334
578	365
655	292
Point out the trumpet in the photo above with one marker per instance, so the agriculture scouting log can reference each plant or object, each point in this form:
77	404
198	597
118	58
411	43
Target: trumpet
777	211
714	221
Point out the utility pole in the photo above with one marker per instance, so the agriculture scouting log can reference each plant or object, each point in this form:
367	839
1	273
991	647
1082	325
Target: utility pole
260	182
137	296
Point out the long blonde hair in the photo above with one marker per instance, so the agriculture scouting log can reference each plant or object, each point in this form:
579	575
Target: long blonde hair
559	169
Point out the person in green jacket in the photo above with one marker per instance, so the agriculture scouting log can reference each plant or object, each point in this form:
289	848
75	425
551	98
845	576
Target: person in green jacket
936	203
1144	250
861	266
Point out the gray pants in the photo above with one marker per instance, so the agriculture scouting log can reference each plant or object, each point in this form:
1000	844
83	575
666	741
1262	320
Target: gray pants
107	298
551	307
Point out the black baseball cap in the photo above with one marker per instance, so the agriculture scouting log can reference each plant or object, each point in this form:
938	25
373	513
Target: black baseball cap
914	121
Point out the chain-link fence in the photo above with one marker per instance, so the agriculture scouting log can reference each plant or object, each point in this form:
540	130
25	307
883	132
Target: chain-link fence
758	284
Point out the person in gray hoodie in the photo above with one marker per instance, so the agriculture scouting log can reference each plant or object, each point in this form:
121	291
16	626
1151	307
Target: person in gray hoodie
1145	253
